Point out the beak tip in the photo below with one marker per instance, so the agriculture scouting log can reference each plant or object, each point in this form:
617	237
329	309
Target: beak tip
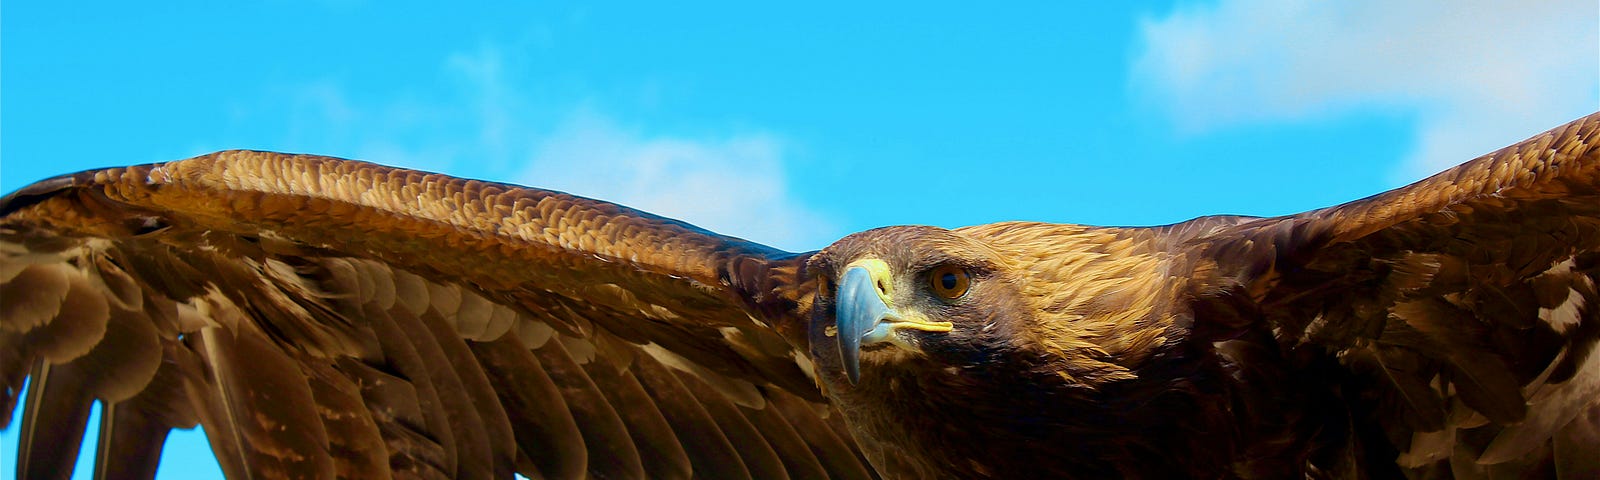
850	357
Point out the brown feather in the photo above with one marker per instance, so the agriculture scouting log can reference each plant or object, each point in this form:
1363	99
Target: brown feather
661	453
77	326
34	295
502	443
404	360
792	450
257	408
542	423
832	447
1399	371
130	443
124	360
613	452
52	423
1478	374
467	432
354	440
753	449
397	412
709	451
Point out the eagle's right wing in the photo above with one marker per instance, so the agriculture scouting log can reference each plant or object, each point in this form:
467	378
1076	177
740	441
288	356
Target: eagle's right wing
322	317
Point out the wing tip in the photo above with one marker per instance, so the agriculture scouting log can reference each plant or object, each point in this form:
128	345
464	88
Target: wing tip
39	191
42	190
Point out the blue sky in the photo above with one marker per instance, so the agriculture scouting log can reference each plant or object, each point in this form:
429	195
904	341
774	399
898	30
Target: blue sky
794	126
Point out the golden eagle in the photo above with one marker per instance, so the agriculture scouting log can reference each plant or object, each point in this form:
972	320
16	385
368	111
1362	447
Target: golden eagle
333	318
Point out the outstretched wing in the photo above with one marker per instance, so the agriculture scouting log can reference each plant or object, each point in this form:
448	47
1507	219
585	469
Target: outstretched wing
1462	309
322	317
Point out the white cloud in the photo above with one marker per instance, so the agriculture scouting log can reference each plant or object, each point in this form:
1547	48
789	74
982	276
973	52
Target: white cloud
733	185
492	124
1478	74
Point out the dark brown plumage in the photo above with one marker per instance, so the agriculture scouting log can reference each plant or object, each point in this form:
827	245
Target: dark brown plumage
325	317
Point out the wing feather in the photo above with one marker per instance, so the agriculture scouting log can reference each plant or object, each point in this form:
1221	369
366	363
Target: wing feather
473	457
1396	370
129	444
323	317
52	422
496	429
603	431
710	452
250	396
830	442
661	454
74	326
796	455
354	439
753	449
397	412
542	423
133	431
407	363
1462	305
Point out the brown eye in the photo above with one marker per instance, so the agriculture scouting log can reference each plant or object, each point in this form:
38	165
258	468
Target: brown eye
949	281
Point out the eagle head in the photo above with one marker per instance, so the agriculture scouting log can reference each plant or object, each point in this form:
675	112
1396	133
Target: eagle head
905	296
923	334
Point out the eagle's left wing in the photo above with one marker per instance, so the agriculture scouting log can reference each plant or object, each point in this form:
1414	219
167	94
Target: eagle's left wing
1457	317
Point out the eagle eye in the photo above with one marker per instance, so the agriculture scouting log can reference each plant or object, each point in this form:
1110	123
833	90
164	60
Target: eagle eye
949	282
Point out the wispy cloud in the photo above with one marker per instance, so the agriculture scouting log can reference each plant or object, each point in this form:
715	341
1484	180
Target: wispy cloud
494	124
1477	74
733	185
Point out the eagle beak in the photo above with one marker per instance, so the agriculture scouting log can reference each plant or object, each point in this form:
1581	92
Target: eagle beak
860	308
862	311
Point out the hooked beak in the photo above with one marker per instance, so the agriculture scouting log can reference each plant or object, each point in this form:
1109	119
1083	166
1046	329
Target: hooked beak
864	315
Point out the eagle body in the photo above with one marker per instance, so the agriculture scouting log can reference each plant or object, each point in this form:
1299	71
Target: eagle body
327	318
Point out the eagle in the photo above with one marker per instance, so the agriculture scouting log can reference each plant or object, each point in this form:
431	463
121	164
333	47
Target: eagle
326	318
